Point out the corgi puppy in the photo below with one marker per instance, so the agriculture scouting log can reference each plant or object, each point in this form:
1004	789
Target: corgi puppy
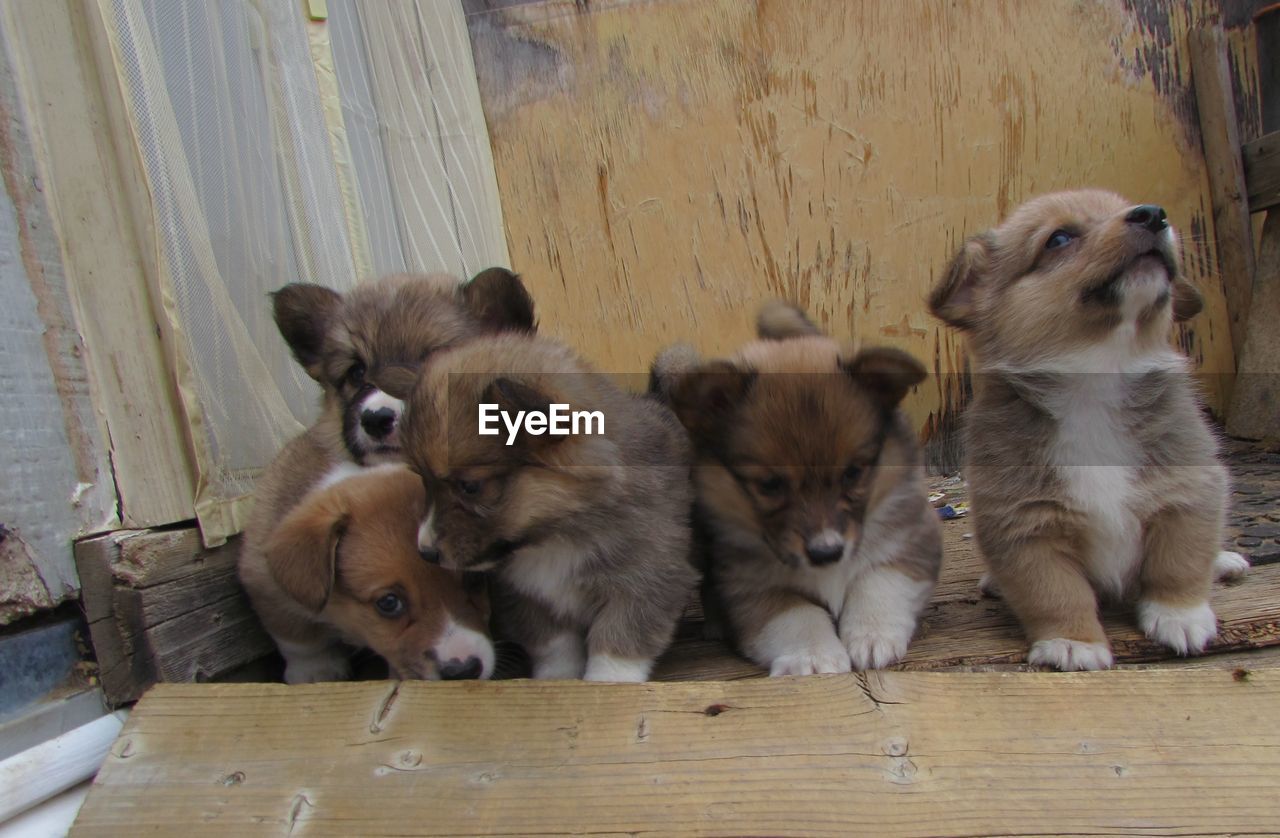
824	549
1091	468
586	533
342	571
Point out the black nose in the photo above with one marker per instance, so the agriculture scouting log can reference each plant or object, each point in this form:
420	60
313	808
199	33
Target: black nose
378	423
458	670
1148	215
825	552
430	555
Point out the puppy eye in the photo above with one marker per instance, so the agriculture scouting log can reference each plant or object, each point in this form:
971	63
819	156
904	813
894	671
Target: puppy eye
772	487
470	488
389	605
1059	238
355	373
851	475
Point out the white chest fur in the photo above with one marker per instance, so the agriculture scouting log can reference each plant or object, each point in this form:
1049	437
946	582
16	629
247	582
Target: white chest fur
548	573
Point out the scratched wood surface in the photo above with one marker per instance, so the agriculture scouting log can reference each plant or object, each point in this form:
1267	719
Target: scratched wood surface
666	166
893	753
961	629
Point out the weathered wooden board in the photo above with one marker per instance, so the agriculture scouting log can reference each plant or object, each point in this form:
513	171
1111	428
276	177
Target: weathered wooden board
664	167
962	629
1262	171
161	607
893	753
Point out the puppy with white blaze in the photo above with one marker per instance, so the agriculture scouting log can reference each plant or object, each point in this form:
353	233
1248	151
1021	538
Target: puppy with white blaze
810	488
1092	470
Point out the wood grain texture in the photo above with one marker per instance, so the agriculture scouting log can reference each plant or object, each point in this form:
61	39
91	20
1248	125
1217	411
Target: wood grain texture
665	167
1255	407
1262	171
890	753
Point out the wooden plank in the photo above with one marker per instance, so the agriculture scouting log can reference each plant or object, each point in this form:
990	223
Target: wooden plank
83	183
1262	171
1220	133
890	753
162	608
1255	407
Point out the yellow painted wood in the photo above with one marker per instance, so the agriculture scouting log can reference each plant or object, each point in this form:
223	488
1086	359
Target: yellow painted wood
665	167
1170	753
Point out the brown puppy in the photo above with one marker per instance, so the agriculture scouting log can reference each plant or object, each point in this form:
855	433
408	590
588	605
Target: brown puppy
1091	468
587	533
343	571
364	349
824	549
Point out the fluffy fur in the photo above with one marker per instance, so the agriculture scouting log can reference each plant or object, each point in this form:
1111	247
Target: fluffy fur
364	349
1091	468
824	549
342	571
587	536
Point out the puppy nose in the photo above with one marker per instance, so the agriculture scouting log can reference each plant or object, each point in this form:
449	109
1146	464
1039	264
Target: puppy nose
1148	215
461	670
429	554
824	550
378	423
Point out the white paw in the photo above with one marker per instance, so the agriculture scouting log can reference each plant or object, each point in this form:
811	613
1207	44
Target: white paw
312	669
987	586
1184	629
876	649
617	670
811	662
1230	567
1069	655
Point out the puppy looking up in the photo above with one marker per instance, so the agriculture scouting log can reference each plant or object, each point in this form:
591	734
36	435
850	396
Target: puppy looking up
364	349
1091	468
587	534
342	571
824	549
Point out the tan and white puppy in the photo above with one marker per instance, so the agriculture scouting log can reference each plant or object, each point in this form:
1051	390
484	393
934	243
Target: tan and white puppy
1091	467
586	535
824	549
342	571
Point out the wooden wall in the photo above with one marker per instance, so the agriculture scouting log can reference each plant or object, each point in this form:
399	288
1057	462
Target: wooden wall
666	166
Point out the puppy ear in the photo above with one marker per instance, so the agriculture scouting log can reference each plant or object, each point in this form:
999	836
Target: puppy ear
1187	302
705	399
513	396
780	320
953	299
304	313
498	299
888	374
668	366
302	551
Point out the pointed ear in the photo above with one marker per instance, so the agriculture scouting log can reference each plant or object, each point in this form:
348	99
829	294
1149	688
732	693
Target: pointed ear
513	396
1187	302
302	550
497	298
704	400
953	299
304	313
780	320
888	374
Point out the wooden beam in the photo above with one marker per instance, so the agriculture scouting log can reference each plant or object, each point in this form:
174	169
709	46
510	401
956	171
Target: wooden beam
160	607
1220	133
888	753
1262	171
1255	407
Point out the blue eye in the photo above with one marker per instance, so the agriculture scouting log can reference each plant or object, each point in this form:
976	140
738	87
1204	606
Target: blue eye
1058	238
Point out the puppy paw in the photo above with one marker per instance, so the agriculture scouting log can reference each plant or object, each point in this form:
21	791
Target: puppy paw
1069	655
877	649
1184	629
314	669
1229	567
988	587
811	662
